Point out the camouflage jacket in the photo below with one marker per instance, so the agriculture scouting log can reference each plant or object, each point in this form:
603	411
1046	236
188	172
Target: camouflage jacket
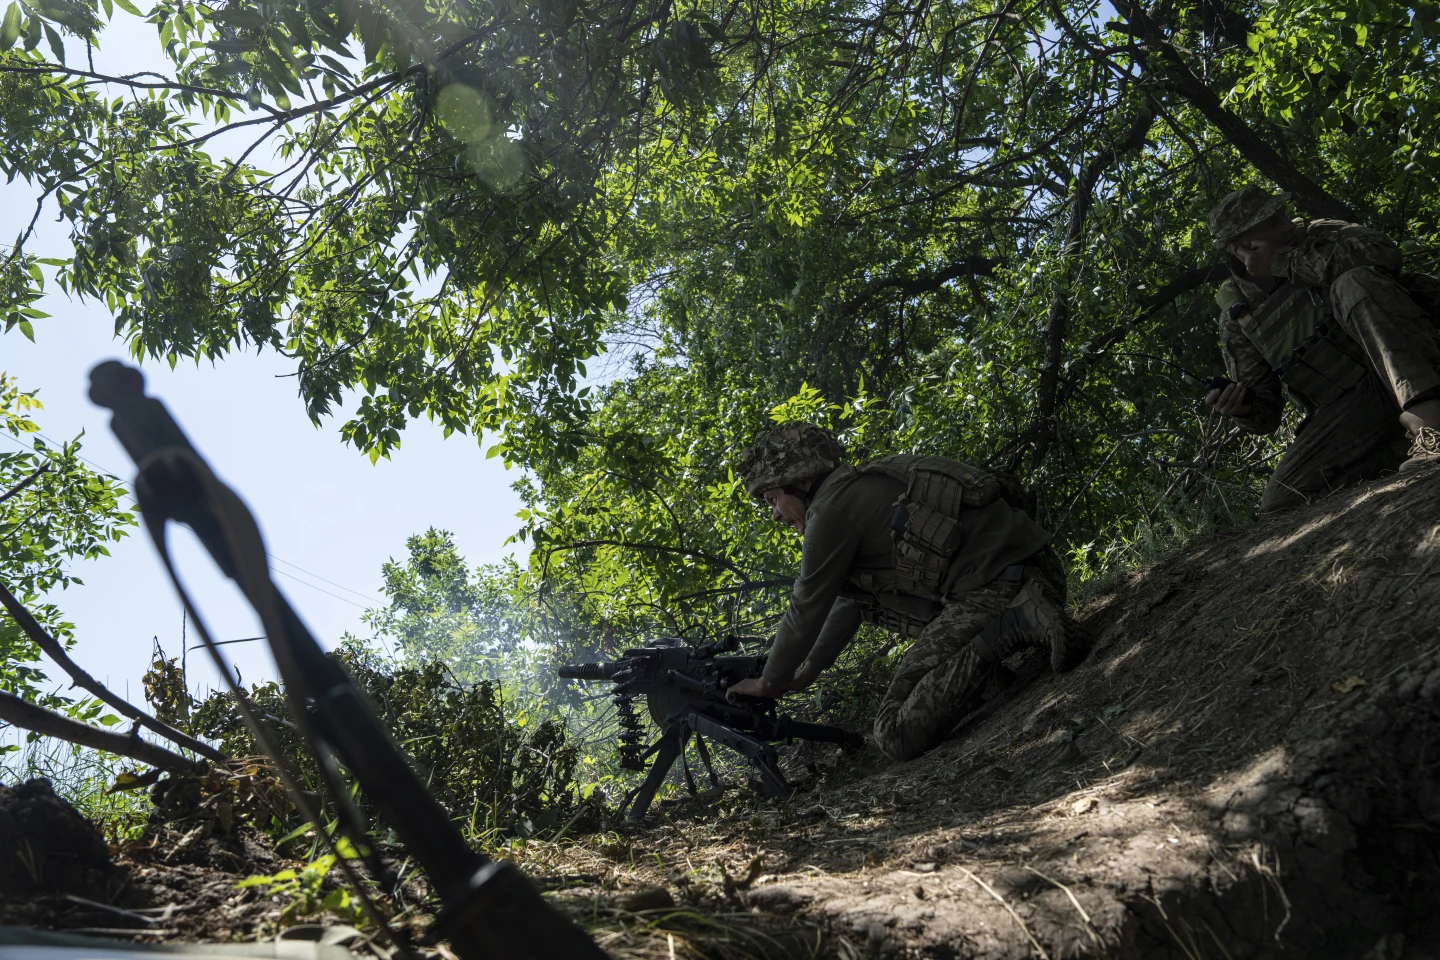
1325	250
848	540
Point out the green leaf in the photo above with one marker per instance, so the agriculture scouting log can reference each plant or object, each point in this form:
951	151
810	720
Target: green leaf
27	329
129	8
57	46
11	29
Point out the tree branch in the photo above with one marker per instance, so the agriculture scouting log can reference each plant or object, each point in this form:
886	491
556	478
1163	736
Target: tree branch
19	487
1058	321
922	282
56	652
1185	82
23	713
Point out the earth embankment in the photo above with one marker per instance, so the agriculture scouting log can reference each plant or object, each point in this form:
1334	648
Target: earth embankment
1245	766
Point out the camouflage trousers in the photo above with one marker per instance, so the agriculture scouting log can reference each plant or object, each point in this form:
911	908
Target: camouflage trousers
1359	437
941	675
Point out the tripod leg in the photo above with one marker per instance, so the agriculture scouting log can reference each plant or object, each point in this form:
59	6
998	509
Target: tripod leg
770	776
705	758
756	751
689	777
671	744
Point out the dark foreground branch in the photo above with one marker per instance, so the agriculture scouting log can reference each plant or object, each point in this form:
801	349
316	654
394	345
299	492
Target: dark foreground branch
55	651
23	713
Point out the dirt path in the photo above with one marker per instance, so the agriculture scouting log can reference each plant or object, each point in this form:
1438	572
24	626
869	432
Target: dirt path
1244	767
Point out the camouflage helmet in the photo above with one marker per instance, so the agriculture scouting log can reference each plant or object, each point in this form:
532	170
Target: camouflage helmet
788	454
1242	210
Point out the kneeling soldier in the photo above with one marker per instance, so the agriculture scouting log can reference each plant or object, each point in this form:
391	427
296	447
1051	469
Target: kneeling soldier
930	548
1318	307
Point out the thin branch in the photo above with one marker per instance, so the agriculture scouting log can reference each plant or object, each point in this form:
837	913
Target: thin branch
26	482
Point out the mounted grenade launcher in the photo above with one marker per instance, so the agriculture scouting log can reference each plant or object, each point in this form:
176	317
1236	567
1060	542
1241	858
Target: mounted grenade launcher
684	689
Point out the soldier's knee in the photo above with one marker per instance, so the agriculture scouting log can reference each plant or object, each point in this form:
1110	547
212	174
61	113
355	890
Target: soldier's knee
897	747
1281	496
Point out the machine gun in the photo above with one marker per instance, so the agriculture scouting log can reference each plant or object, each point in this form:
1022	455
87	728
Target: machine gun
684	689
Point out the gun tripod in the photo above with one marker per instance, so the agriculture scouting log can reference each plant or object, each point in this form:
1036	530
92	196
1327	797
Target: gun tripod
757	746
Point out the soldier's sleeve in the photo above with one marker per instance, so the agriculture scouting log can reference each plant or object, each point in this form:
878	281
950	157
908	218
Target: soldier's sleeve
839	629
831	541
1244	364
1331	248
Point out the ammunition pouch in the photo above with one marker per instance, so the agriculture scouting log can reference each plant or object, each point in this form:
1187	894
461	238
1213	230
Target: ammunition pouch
927	528
925	543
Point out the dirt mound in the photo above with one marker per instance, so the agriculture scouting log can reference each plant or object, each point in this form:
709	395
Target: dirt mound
46	845
58	873
1244	767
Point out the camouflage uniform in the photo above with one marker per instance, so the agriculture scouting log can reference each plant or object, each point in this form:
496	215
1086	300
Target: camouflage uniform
1337	329
849	575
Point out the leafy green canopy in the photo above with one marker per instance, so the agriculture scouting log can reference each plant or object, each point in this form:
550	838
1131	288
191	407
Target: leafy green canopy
964	227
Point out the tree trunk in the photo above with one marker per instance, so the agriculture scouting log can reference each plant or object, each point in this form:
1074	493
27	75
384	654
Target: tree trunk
1058	319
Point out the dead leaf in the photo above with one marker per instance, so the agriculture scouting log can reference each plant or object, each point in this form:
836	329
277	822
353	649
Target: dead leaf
1084	805
1347	684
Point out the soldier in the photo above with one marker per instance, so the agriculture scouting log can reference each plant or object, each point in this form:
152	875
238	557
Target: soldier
1316	306
926	547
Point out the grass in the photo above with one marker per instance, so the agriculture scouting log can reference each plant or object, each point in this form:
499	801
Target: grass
83	777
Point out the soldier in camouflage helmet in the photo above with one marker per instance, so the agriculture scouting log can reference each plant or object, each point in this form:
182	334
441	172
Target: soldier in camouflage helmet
1316	306
926	547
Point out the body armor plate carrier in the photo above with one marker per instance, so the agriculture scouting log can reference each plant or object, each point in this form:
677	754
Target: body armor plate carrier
926	528
1296	332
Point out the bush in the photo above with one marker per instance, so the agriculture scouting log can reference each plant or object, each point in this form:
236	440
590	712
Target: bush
490	771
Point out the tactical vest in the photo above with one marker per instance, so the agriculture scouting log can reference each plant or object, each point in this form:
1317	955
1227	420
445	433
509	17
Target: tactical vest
925	527
1296	332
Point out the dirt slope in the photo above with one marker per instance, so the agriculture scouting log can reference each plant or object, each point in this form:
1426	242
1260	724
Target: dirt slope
1244	767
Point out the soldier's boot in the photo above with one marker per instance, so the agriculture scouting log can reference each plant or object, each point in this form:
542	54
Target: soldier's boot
1032	620
1422	420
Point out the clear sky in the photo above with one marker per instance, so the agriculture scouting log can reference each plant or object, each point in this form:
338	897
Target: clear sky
329	517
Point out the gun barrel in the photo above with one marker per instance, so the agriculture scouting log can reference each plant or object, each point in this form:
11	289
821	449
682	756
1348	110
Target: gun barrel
587	671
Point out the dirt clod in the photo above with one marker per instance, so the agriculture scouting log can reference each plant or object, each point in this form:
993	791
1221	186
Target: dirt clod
45	845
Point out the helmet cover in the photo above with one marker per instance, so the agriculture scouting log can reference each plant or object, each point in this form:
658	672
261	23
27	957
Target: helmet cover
1243	210
788	454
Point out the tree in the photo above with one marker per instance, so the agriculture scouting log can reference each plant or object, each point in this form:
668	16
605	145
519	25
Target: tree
969	227
442	610
54	510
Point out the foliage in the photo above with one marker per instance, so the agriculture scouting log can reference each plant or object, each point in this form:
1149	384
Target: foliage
63	514
440	611
971	228
83	777
305	895
491	766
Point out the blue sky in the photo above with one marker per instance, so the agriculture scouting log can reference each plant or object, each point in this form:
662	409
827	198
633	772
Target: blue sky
329	517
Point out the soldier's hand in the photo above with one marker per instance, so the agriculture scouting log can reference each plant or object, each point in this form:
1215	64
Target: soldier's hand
754	687
1230	402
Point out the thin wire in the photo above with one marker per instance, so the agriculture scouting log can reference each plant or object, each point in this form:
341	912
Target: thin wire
131	497
321	589
309	573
